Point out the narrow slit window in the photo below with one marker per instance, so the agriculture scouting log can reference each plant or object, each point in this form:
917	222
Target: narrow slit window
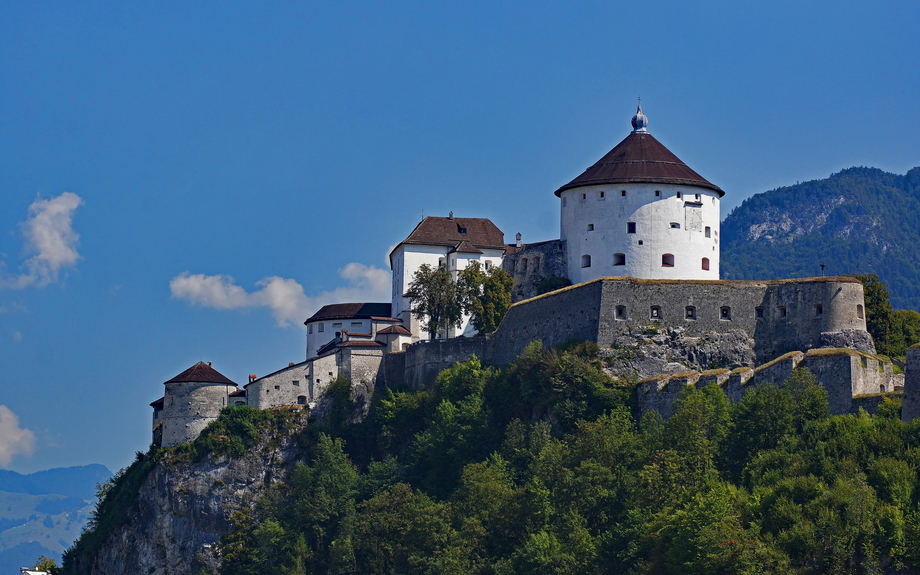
623	193
602	196
782	311
657	193
667	260
584	197
679	195
706	264
619	259
819	310
859	311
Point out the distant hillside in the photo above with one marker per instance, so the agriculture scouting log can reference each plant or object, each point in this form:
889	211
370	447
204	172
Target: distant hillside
859	220
43	513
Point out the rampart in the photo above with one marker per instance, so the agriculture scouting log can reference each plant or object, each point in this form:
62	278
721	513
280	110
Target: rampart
426	359
530	264
910	408
189	407
852	379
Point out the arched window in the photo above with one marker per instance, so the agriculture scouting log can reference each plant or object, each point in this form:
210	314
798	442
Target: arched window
619	259
706	264
585	261
667	260
859	311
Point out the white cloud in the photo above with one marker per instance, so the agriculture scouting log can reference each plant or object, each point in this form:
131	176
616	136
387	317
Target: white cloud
285	298
49	235
13	439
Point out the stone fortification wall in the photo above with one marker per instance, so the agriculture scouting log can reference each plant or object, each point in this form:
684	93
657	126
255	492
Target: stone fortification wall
189	407
392	370
851	379
871	403
426	359
553	318
283	387
910	408
531	264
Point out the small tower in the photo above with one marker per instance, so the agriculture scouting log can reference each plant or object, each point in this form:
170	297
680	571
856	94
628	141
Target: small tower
192	400
640	212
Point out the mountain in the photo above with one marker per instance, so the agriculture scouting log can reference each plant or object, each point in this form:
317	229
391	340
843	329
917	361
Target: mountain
860	220
44	512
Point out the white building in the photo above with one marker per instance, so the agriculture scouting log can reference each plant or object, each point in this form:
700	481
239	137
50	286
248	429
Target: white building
452	242
193	399
640	212
362	321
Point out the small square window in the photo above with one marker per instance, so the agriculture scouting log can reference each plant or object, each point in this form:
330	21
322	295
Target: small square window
630	227
782	311
760	312
679	195
590	227
819	310
296	382
623	193
657	193
621	312
725	313
690	312
277	387
655	312
640	242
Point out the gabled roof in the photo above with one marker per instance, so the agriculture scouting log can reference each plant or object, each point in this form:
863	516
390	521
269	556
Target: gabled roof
351	311
398	329
639	159
158	404
481	233
201	372
464	247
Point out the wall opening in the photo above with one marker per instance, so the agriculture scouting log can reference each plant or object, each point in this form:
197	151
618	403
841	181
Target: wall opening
708	232
301	400
759	311
536	263
782	310
623	193
690	312
725	313
630	227
679	195
655	312
621	312
706	264
657	193
619	259
667	260
602	195
584	197
675	226
819	310
586	261
859	311
320	329
590	227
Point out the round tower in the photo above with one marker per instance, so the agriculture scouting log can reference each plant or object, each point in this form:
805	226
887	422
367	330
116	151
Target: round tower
640	212
192	400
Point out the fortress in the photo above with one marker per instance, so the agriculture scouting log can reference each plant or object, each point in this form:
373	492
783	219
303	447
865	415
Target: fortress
639	238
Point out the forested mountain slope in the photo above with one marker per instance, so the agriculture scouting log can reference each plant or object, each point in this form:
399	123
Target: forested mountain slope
859	220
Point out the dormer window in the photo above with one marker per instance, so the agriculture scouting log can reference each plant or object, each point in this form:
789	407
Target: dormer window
460	229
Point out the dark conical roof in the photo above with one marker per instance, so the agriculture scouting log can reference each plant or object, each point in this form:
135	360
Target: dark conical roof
201	372
640	159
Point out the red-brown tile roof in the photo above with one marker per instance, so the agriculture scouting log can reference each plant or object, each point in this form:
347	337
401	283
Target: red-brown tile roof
396	329
200	373
238	393
386	319
465	247
640	158
360	343
350	334
513	249
158	404
351	311
436	231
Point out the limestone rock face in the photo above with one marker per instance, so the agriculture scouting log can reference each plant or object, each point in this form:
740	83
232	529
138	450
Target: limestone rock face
647	352
852	338
185	508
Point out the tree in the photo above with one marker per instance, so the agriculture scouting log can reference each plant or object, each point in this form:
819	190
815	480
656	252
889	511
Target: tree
435	299
486	295
46	565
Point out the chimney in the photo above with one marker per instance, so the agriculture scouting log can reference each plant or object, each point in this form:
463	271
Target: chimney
290	364
517	237
450	216
252	377
209	364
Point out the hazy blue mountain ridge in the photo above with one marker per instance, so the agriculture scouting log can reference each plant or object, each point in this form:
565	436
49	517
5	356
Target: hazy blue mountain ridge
859	220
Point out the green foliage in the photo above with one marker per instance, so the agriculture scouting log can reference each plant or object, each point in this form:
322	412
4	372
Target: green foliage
435	299
485	294
46	564
880	316
552	284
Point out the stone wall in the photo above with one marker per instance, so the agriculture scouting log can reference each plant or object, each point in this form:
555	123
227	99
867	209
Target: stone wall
531	264
392	370
426	359
189	407
871	403
288	386
910	408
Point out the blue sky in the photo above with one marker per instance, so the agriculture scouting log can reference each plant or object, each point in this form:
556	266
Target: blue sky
185	181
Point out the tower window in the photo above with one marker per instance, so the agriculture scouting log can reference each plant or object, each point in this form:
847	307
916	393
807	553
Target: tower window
585	261
630	227
619	259
602	195
655	312
320	329
623	193
690	312
819	310
696	197
590	227
301	400
782	311
667	260
657	193
760	312
675	226
725	313
584	197
708	232
679	195
859	311
621	312
309	329
706	264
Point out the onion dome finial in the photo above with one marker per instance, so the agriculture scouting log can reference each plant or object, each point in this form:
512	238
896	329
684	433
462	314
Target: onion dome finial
640	121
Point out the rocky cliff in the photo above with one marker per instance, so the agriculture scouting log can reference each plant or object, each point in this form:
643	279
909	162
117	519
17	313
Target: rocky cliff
184	505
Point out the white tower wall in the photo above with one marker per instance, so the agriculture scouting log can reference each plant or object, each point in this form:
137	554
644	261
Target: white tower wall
675	220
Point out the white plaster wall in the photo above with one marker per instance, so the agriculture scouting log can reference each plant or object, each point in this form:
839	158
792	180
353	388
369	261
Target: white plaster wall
407	259
261	393
317	339
653	215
